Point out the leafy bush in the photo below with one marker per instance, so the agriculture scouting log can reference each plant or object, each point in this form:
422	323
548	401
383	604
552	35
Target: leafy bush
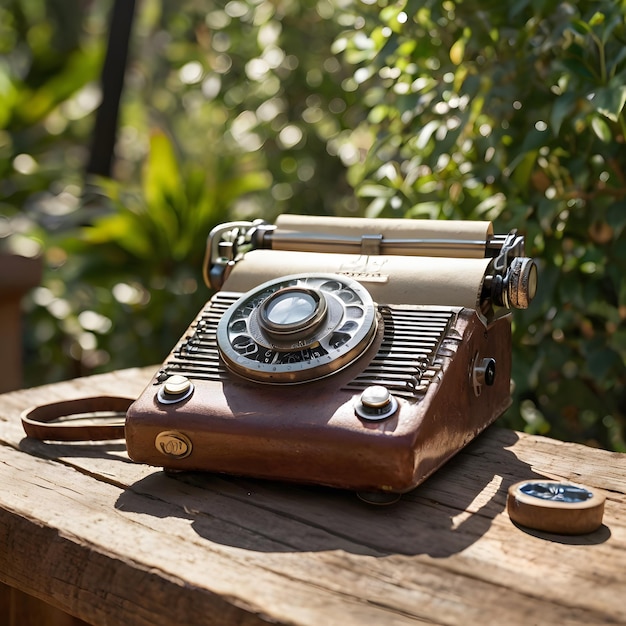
514	112
205	91
511	112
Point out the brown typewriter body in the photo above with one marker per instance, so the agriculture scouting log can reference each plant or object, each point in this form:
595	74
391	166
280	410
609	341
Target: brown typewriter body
363	358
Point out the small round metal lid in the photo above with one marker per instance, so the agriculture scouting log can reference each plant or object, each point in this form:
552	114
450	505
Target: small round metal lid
555	506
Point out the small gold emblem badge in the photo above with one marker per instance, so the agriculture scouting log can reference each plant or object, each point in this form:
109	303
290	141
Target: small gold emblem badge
173	443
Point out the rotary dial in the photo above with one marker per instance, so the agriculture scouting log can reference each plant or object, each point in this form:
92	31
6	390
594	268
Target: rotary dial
297	328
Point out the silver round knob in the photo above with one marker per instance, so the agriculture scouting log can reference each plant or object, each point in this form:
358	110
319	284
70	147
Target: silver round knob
376	403
175	389
176	385
375	397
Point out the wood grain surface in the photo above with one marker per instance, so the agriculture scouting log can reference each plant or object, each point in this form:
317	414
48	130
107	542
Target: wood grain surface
114	542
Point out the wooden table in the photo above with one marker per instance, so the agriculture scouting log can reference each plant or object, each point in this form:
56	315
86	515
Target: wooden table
113	542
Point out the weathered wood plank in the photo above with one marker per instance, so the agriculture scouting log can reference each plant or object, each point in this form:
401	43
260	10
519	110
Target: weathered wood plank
108	540
19	609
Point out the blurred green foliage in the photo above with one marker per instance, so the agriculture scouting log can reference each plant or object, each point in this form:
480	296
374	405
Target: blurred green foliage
512	112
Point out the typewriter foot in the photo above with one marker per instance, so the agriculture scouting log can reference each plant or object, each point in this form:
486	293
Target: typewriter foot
378	498
168	471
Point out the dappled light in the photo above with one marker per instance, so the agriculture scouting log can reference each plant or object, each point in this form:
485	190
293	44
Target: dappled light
511	112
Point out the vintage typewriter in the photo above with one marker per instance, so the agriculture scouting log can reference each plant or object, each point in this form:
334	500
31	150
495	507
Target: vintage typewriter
354	353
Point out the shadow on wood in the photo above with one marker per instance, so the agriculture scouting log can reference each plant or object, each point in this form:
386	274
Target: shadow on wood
443	516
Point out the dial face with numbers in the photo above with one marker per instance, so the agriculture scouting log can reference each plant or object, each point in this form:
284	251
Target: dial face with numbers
297	328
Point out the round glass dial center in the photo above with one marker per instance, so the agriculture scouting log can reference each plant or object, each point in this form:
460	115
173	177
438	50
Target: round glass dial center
290	308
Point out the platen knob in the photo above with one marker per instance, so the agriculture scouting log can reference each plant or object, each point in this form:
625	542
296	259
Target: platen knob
521	282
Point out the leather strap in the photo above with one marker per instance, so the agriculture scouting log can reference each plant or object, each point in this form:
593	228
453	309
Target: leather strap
73	420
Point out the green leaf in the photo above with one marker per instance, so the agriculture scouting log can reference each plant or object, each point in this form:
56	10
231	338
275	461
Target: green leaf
123	229
423	137
578	68
601	129
614	62
609	101
562	108
522	168
161	176
616	216
375	191
81	68
597	18
611	25
8	96
457	51
601	361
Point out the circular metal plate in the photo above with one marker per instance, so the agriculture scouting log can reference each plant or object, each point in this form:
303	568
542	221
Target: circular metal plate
338	324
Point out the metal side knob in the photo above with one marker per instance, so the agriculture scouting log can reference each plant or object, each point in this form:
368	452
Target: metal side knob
521	282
